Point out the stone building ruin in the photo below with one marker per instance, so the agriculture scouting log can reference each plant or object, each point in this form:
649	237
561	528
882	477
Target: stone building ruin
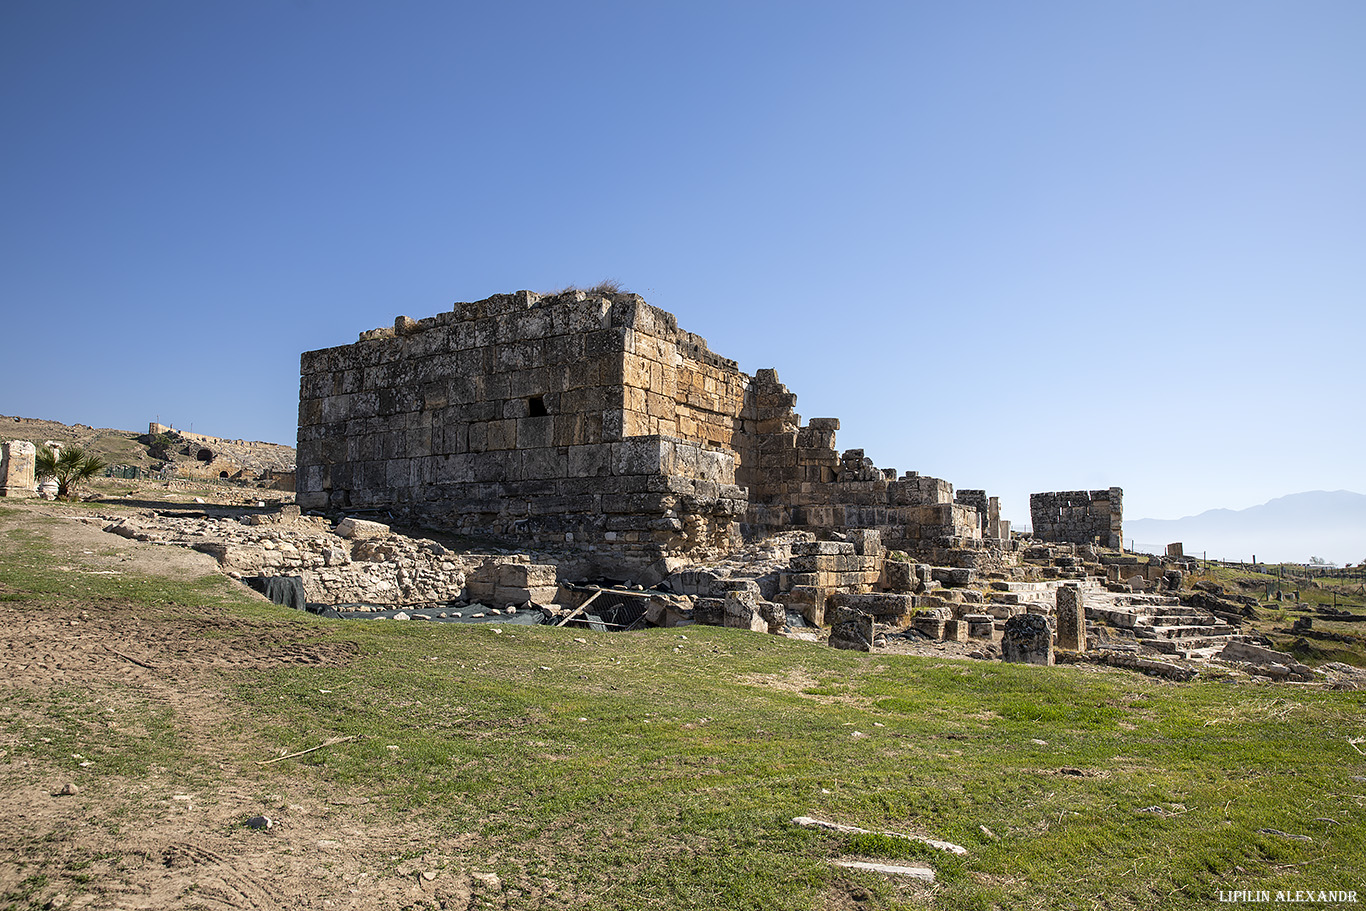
1079	517
592	421
198	456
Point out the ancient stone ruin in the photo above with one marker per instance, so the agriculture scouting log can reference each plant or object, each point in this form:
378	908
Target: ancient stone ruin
593	422
1079	517
589	432
17	466
198	456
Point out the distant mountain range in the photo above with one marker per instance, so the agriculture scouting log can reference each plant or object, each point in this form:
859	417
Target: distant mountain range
1290	529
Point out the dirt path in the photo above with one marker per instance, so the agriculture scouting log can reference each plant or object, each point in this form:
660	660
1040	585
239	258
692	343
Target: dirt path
134	709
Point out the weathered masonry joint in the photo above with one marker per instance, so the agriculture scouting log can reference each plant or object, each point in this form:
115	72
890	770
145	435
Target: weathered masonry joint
594	422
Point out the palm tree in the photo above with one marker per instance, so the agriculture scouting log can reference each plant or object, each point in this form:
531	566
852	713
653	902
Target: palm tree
69	469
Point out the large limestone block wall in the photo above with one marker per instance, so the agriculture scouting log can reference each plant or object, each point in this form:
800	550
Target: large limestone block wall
1079	516
587	420
571	419
798	479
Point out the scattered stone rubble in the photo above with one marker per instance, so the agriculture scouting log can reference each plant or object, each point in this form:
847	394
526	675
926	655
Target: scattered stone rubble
603	442
362	564
1050	605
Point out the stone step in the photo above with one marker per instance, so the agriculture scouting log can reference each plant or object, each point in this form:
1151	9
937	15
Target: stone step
1087	585
1193	644
1182	632
1175	618
1137	601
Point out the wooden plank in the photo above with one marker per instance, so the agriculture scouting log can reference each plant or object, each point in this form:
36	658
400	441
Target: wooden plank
578	610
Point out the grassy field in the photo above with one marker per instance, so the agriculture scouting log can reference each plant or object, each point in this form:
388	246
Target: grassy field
661	769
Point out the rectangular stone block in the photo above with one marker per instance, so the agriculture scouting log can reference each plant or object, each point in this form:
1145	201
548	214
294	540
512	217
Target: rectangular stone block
823	548
17	471
980	626
1071	613
742	612
900	576
526	575
930	625
851	629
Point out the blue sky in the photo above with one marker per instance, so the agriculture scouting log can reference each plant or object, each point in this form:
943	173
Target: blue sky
1020	246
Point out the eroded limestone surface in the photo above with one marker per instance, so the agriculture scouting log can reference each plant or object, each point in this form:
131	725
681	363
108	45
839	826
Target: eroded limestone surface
593	421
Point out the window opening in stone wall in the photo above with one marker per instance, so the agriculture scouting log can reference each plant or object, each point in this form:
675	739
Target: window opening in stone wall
204	455
536	406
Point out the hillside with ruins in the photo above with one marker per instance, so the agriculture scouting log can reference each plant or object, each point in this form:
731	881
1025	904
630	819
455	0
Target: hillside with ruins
564	594
165	452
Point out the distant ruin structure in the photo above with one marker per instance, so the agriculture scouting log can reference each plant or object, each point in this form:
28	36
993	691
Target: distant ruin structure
219	458
1079	517
18	459
592	421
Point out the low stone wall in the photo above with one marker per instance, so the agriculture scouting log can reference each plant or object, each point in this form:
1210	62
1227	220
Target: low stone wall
371	566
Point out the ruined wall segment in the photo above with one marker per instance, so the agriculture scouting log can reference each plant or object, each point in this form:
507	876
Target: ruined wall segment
988	508
1079	516
798	479
593	421
552	418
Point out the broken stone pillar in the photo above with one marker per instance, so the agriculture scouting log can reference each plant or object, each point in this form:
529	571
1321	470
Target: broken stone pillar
16	469
774	614
851	629
1027	640
1071	619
